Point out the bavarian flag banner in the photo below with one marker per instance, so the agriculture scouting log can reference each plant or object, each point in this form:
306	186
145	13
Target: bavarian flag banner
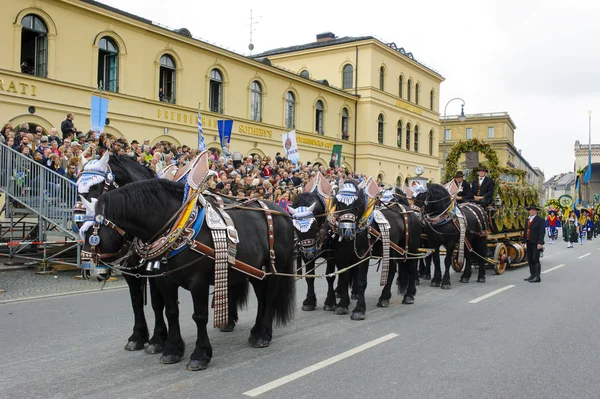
225	128
336	154
98	112
290	146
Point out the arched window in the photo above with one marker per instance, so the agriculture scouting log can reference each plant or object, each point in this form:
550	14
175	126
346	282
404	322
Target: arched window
290	110
431	98
216	91
319	116
431	142
345	131
417	87
34	46
380	178
380	129
304	73
348	77
408	136
382	78
416	134
408	89
256	102
401	86
399	137
108	65
399	181
166	84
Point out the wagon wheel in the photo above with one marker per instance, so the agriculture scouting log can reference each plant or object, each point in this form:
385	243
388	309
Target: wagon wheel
500	258
455	265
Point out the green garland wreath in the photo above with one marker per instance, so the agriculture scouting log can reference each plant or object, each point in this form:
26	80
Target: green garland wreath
473	145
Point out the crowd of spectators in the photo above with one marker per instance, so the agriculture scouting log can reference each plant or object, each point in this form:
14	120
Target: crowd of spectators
276	179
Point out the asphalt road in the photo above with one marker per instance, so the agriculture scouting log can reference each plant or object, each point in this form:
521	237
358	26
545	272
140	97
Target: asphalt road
527	341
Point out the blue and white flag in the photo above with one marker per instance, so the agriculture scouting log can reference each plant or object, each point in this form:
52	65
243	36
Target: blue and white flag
225	128
98	112
588	173
290	146
201	143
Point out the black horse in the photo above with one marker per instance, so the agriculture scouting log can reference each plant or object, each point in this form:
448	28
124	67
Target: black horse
441	229
124	170
133	209
309	217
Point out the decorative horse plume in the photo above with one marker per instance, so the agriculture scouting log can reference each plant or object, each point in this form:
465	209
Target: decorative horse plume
302	218
94	172
347	194
90	213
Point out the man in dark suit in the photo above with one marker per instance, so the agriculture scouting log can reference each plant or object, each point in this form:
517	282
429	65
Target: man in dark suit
483	188
460	188
533	237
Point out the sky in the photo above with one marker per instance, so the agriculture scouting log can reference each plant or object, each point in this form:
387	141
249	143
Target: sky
535	59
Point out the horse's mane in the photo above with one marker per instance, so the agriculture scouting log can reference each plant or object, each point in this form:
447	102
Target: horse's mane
438	198
124	165
307	199
145	197
400	197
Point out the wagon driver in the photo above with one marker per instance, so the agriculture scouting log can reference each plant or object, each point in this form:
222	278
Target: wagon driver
483	187
533	237
460	187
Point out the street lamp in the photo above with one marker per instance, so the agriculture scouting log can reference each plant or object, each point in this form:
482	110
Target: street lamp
461	118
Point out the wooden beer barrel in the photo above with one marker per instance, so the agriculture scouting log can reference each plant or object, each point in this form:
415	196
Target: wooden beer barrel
516	252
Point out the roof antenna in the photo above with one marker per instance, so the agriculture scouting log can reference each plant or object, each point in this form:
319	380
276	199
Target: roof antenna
252	29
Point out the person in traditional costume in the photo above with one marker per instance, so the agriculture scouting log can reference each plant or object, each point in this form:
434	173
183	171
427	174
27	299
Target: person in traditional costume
589	224
482	188
596	225
459	188
571	229
533	237
552	225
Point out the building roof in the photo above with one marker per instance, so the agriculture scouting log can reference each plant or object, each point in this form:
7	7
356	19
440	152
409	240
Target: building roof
342	40
561	181
486	115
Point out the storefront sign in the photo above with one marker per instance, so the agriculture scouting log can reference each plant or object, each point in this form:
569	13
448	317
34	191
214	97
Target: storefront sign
408	107
314	142
255	131
11	86
185	117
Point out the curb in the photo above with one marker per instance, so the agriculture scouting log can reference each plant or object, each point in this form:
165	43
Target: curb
60	294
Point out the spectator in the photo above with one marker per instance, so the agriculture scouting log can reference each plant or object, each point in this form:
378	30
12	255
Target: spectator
54	148
67	125
71	172
54	136
43	145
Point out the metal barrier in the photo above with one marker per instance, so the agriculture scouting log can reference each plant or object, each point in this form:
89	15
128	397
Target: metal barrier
32	186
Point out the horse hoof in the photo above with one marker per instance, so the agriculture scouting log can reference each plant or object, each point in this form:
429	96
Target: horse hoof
308	308
357	316
261	343
446	286
481	280
340	311
153	349
329	308
134	346
197	365
384	303
434	284
170	359
354	297
408	300
464	280
228	328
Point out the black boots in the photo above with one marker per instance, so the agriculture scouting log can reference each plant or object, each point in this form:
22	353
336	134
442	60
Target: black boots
537	269
531	272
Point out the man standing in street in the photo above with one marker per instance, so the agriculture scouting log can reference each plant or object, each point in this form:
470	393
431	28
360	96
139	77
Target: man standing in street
533	237
483	188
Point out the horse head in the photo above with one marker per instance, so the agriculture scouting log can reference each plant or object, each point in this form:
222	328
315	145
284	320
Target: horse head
349	205
307	226
437	199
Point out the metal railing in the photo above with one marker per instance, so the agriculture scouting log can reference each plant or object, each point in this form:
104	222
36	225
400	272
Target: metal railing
472	116
39	189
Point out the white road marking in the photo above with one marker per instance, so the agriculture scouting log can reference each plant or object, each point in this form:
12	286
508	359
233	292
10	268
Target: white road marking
486	296
553	268
318	366
584	255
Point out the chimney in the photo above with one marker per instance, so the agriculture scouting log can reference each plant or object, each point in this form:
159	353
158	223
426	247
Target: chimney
323	37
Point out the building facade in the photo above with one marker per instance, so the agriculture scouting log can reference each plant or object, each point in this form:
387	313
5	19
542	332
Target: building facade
590	191
496	129
397	128
59	52
558	185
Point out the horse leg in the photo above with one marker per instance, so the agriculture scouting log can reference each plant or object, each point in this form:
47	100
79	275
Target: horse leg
202	354
482	252
448	263
260	289
437	274
138	339
360	283
386	293
329	304
411	289
427	275
342	305
402	278
464	278
310	303
174	346
159	337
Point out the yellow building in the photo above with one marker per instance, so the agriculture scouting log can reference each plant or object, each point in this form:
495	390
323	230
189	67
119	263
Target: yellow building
496	129
398	126
156	78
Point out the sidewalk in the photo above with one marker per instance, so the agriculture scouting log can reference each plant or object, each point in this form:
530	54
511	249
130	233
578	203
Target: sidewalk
25	284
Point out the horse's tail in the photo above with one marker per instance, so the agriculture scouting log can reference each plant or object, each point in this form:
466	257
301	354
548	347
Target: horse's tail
240	293
285	301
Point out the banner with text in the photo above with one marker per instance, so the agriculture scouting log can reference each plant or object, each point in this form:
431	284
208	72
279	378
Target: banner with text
336	154
98	112
225	128
291	146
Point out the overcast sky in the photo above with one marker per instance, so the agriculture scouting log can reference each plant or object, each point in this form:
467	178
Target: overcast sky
535	59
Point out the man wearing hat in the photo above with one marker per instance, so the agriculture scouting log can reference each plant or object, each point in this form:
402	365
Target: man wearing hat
459	188
533	237
483	188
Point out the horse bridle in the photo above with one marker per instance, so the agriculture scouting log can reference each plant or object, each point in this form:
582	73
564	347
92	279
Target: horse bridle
94	240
